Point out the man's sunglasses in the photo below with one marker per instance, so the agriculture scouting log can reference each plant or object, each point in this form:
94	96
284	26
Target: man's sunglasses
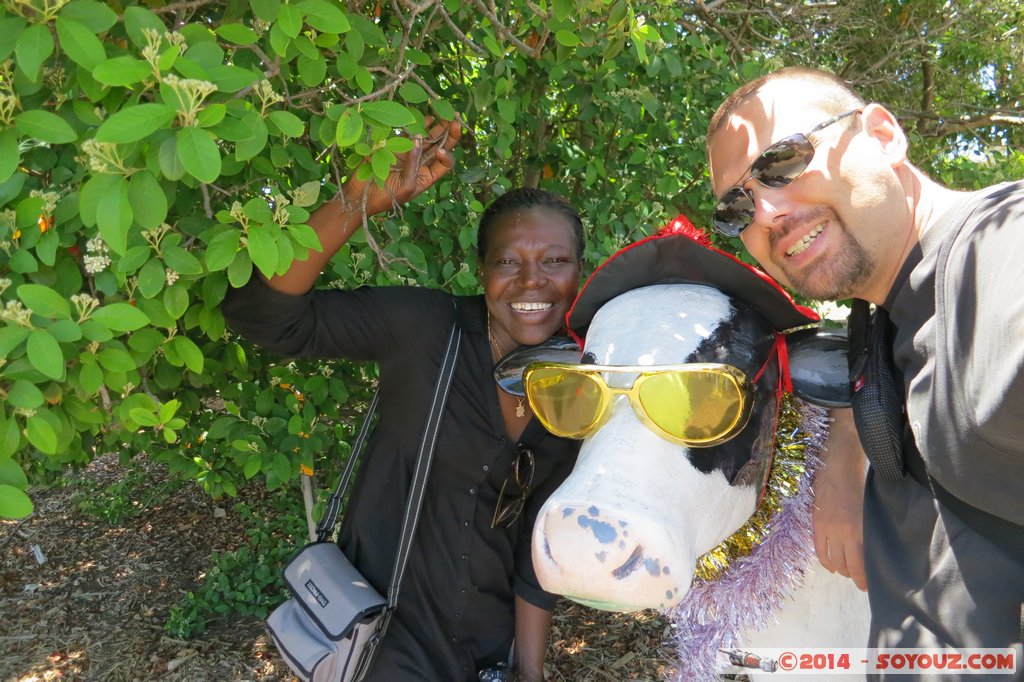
777	166
510	503
698	405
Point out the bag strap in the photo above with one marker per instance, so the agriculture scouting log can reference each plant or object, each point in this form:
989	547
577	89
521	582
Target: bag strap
419	479
326	525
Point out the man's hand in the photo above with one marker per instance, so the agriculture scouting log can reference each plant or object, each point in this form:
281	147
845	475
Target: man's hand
838	518
415	171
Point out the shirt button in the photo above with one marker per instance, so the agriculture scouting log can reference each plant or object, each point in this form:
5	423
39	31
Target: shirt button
464	557
487	468
463	590
458	615
465	524
453	640
472	491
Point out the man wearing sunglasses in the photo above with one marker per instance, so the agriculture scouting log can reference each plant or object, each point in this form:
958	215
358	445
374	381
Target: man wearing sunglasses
817	184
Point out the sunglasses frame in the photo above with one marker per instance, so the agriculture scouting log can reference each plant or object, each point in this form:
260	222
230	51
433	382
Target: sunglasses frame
732	229
506	516
740	379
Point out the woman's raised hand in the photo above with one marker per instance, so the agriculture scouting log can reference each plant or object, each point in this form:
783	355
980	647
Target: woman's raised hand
415	171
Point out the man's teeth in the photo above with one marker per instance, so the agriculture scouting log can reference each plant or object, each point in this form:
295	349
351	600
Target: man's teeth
802	245
530	307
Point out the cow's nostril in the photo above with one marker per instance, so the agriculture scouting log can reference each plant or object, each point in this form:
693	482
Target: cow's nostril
630	565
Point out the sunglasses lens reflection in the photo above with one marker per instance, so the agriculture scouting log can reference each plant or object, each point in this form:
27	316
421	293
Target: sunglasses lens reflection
567	403
692	406
783	162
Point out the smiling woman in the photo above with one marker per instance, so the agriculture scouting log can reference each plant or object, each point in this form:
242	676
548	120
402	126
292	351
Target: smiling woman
469	588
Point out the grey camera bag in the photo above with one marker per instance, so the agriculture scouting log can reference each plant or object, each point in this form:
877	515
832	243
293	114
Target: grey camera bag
329	630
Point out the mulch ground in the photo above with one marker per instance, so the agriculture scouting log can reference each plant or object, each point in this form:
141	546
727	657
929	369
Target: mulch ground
95	608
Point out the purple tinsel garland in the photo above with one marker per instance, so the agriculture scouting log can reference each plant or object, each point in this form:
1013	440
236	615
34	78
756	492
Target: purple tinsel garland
750	593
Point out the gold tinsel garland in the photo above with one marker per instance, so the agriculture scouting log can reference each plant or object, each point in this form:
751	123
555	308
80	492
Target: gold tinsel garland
783	481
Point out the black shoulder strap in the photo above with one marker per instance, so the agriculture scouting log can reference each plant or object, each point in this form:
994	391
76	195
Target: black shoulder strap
877	392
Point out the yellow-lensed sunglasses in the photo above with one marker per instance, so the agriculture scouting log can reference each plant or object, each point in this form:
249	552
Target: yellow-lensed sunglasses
698	405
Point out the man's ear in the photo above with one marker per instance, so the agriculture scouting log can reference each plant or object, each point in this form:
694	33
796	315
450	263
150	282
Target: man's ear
818	367
881	124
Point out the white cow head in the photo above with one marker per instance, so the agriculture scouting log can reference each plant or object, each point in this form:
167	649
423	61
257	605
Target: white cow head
625	530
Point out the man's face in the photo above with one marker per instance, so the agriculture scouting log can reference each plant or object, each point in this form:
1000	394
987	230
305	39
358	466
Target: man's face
825	233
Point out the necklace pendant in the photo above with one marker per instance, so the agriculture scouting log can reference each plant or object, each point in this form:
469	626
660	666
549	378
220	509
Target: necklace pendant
520	409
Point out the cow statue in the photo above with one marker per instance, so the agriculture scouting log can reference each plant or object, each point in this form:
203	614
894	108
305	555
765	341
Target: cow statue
677	399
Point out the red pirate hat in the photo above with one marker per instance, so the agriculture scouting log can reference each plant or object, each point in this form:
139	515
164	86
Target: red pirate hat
681	253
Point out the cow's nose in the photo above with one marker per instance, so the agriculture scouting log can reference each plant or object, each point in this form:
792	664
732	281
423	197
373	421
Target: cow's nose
609	560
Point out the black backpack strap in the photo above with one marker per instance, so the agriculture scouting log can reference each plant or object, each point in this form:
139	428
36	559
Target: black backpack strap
877	400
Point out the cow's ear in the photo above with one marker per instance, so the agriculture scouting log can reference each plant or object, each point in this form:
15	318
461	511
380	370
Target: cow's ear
508	373
818	367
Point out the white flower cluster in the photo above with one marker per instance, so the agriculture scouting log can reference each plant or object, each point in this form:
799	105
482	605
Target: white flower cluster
84	305
5	284
170	276
16	313
281	216
268	98
50	200
191	93
97	256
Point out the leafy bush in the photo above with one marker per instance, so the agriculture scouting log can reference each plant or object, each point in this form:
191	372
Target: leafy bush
246	581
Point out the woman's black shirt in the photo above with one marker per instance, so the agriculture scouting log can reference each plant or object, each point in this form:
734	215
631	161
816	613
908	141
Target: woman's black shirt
456	606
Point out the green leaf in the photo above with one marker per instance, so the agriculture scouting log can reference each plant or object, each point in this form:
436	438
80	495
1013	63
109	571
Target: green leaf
143	417
398	145
413	93
237	34
11	28
65	331
34	46
11	338
45	354
176	300
168	410
388	113
240	270
222	249
198	154
381	162
152	278
147	199
115	360
324	16
252	465
350	128
79	42
90	377
281	466
256	142
44	301
42	435
10	437
189	352
95	16
181	261
563	8
114	216
120	317
170	166
10	472
287	122
567	38
14	503
265	9
25	394
45	126
136	122
121	71
262	247
443	109
10	154
289	20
